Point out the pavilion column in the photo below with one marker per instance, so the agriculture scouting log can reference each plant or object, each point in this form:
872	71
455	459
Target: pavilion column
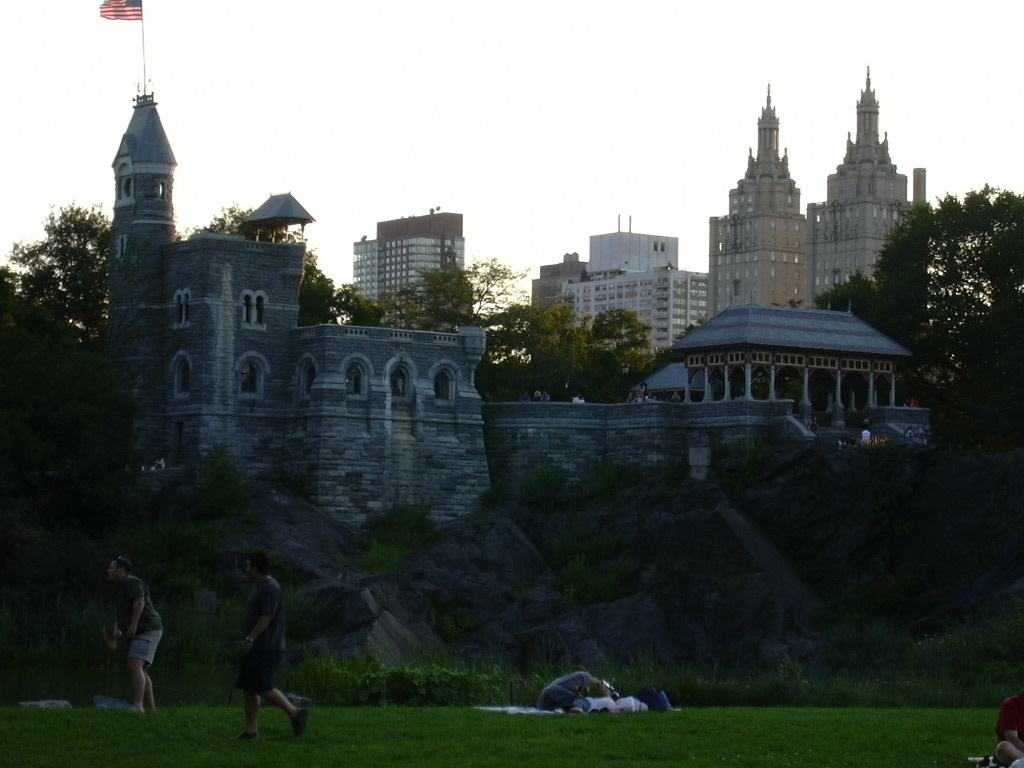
728	387
748	378
838	411
805	398
892	389
871	390
771	382
686	386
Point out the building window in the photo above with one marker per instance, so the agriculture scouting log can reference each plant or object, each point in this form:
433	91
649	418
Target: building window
181	308
399	382
442	386
254	305
126	186
354	379
308	376
182	376
250	379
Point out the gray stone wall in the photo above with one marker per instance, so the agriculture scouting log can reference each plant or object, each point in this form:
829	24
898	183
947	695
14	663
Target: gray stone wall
579	437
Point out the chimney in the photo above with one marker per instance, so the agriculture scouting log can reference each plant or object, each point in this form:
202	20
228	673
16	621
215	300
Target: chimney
920	195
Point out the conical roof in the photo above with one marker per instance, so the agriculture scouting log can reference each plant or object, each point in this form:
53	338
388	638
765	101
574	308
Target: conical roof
145	140
280	211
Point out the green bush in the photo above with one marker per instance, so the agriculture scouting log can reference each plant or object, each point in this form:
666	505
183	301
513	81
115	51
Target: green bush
223	491
366	683
404	529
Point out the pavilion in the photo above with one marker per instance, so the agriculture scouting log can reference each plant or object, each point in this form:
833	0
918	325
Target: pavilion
757	353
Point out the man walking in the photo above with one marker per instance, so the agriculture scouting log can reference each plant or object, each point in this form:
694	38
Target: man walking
140	623
262	649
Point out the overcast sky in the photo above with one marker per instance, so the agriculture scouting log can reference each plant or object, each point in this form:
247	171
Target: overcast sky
541	121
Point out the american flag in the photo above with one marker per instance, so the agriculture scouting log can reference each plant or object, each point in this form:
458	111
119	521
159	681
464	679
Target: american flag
129	10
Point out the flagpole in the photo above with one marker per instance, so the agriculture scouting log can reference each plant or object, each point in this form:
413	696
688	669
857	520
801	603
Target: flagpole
145	82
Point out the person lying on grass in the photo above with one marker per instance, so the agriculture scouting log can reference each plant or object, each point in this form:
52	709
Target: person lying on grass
568	693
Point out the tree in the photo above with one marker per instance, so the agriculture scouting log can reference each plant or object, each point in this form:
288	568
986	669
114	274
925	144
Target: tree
858	295
316	294
66	273
352	308
950	284
450	298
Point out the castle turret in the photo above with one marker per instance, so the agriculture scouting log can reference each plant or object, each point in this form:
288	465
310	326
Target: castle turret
143	224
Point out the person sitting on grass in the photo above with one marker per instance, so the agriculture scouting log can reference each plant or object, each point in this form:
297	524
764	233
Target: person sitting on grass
1010	732
568	693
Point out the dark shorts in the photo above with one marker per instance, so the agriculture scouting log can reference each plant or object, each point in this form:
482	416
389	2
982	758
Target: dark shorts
256	671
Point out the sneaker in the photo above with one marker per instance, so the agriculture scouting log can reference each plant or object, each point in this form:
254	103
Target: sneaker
300	721
246	736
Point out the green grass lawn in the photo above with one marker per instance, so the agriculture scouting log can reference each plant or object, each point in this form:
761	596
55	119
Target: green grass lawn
437	738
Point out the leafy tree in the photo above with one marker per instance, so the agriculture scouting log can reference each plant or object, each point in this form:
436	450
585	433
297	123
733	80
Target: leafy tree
440	300
316	294
352	308
65	425
449	298
859	295
950	285
65	274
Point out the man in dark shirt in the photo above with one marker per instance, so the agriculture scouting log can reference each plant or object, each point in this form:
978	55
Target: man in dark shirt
262	649
140	623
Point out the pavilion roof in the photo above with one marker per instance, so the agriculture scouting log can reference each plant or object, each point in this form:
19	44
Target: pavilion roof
818	330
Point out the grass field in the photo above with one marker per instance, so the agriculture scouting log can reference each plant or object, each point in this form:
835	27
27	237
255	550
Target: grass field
464	737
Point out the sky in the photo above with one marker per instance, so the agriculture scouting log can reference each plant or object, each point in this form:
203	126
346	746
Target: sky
541	121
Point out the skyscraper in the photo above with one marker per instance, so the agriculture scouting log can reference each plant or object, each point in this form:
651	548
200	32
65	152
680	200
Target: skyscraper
756	251
406	248
866	199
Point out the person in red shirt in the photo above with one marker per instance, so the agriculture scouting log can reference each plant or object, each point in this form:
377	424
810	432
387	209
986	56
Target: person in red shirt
1010	732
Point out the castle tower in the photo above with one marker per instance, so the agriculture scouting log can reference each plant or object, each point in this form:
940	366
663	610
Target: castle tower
756	252
143	223
866	199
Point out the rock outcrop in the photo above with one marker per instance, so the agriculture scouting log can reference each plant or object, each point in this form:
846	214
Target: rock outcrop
704	576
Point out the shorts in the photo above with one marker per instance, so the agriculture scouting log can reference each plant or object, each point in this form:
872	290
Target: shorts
144	646
256	671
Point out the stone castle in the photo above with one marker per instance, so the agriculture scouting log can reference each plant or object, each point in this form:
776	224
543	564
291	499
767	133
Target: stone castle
205	333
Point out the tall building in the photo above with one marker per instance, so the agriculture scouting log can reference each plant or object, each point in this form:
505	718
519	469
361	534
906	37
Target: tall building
553	277
406	248
640	272
756	252
866	199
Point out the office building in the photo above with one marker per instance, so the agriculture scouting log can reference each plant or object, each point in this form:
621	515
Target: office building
406	248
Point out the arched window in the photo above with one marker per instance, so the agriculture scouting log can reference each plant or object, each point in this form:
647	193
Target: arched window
442	386
250	381
308	376
182	376
398	382
260	301
247	308
354	379
126	186
181	300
